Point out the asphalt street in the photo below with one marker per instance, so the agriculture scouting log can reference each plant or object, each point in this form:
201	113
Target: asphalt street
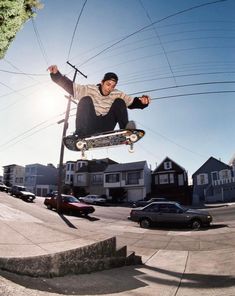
176	261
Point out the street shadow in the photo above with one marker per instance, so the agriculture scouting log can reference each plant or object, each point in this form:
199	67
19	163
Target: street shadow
190	280
92	218
121	280
180	228
116	280
69	223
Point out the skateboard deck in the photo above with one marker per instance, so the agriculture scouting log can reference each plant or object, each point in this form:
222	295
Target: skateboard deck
106	139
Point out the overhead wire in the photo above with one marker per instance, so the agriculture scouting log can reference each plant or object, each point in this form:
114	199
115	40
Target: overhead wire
42	48
147	26
78	19
160	40
136	33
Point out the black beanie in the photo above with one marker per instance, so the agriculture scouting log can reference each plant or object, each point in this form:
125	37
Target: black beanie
110	76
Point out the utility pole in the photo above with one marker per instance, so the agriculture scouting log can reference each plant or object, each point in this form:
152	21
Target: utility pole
65	127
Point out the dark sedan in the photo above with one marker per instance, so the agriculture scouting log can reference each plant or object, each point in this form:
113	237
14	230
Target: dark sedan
170	213
3	187
69	204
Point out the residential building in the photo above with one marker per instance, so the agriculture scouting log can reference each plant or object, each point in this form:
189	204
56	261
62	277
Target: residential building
131	181
170	180
41	179
86	176
13	174
214	181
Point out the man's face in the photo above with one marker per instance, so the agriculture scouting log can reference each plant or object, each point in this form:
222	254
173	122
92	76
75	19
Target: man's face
108	86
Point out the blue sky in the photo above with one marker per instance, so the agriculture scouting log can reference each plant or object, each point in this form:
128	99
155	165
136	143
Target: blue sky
181	55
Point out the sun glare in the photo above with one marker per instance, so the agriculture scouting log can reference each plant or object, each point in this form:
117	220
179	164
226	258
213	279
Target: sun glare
50	101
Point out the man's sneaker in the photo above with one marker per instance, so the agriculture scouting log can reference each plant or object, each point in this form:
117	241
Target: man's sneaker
131	125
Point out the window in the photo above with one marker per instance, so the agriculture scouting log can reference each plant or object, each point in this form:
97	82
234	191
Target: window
167	165
80	178
181	180
202	179
163	179
156	179
172	178
225	174
97	179
152	208
133	178
214	176
112	178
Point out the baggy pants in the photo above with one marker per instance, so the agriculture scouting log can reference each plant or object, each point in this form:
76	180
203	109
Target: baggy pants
88	123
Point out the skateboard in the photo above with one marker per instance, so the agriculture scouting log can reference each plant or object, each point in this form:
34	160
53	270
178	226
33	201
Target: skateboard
106	139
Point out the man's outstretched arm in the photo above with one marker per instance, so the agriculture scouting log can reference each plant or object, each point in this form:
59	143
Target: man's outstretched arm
140	103
61	80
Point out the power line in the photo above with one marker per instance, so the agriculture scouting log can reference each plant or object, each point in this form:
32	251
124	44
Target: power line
195	94
31	129
22	73
147	26
183	85
182	75
78	19
160	41
40	42
171	141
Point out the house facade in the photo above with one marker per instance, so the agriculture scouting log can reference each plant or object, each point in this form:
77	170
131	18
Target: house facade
13	174
170	180
41	179
87	176
214	181
132	180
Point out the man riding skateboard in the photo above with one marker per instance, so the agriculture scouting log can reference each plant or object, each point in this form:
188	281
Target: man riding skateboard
100	107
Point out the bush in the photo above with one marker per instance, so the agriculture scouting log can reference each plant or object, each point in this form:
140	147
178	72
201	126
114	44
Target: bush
13	14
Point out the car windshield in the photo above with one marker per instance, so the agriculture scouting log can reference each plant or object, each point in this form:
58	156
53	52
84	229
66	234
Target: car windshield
70	199
22	188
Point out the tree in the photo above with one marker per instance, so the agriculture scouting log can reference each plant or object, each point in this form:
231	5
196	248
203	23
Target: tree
13	14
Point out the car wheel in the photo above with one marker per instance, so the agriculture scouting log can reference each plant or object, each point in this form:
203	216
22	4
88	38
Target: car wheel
49	207
145	223
196	224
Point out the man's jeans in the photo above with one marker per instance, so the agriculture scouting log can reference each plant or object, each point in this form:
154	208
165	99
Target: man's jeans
88	123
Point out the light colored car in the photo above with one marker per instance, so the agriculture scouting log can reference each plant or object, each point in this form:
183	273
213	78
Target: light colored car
93	199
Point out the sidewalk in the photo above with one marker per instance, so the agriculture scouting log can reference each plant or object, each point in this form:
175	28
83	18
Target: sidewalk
175	262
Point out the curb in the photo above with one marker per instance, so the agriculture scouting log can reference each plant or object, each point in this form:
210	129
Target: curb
95	257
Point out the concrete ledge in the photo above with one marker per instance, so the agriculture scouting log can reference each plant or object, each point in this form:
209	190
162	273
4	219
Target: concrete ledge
95	257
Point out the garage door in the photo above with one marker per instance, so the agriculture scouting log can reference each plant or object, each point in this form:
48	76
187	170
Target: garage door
135	194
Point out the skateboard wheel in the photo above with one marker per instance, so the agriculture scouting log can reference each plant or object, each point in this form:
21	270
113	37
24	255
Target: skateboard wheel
133	138
80	145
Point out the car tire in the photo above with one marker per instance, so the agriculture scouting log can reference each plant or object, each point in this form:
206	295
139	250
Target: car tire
145	223
49	207
196	224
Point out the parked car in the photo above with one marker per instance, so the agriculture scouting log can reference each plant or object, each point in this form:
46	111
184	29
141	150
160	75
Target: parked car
69	204
143	202
21	192
52	193
171	213
93	199
3	187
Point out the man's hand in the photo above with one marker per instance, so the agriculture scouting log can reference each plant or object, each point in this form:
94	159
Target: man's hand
145	100
53	69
